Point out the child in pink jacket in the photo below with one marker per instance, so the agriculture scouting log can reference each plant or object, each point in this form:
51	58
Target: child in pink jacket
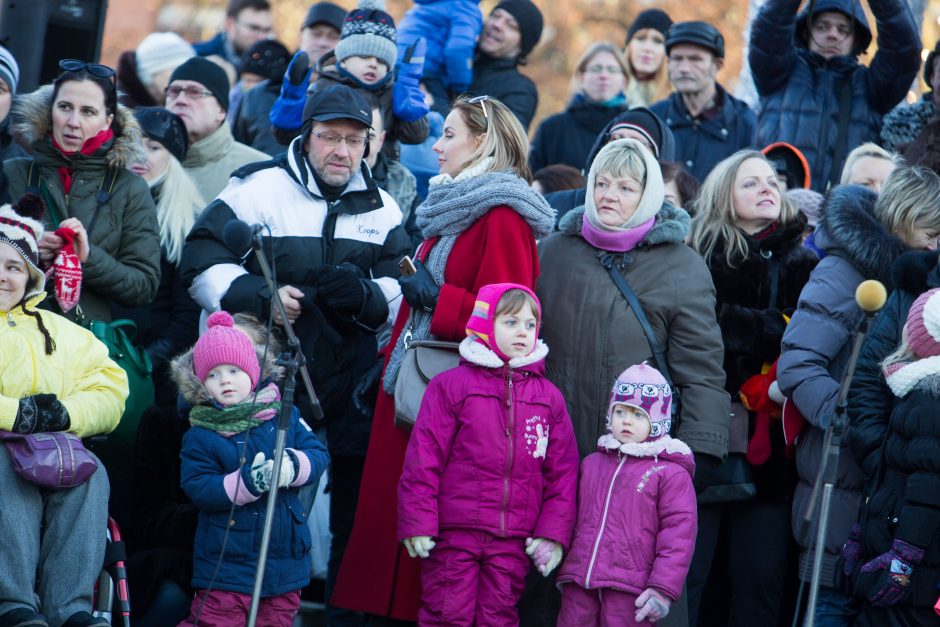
636	513
491	469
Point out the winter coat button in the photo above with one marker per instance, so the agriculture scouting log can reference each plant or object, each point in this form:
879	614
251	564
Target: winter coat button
724	132
231	523
689	164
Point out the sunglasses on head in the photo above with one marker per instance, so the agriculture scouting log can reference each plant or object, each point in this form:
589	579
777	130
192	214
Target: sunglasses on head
95	69
481	100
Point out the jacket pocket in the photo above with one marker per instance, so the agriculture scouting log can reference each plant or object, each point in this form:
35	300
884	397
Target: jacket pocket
633	555
239	546
300	532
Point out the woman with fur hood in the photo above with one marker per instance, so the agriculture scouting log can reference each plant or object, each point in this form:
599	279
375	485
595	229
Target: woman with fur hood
752	240
861	234
83	141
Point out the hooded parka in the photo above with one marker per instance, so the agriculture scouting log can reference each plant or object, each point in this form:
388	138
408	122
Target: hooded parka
123	263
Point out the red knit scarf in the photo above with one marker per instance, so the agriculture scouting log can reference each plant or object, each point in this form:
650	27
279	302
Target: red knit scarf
91	145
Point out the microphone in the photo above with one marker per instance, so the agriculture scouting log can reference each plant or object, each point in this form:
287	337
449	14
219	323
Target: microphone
240	236
871	296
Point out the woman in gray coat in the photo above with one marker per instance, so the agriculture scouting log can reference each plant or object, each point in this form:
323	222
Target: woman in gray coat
860	236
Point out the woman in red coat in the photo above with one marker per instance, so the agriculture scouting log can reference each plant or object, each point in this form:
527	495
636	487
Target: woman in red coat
480	222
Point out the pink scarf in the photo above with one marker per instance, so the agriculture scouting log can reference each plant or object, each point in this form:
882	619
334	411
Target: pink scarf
615	241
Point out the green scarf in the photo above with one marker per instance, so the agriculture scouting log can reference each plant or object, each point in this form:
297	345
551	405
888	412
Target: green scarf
232	419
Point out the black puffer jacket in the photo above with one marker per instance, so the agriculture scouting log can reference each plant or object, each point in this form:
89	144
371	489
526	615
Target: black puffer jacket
870	400
501	79
251	124
569	136
906	502
753	297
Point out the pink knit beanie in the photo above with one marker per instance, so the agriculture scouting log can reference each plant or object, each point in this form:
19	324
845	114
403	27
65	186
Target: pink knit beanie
923	324
480	324
644	387
223	344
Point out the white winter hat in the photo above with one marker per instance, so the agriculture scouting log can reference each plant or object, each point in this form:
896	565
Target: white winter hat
161	51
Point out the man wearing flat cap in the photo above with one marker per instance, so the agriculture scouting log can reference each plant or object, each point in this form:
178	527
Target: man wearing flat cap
708	123
336	240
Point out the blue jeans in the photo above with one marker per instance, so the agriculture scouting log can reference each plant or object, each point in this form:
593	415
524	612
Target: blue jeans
834	609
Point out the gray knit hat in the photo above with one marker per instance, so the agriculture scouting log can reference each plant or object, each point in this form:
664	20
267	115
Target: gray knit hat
9	69
161	51
368	31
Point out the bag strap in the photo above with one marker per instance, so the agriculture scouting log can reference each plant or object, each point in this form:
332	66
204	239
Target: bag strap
845	110
453	346
102	196
634	304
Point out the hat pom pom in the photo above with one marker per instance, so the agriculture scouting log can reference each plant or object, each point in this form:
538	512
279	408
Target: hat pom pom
30	206
220	319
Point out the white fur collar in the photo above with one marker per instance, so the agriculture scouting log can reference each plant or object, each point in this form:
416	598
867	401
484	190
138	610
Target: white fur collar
478	353
665	444
906	378
467	173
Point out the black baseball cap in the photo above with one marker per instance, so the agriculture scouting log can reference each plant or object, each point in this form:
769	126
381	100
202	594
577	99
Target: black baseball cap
697	33
338	102
325	13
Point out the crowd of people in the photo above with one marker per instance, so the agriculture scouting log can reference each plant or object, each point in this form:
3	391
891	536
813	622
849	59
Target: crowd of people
642	319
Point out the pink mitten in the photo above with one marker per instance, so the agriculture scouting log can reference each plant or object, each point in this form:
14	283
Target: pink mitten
67	270
652	605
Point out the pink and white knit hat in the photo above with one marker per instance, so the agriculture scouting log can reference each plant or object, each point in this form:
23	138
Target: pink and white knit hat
644	387
923	324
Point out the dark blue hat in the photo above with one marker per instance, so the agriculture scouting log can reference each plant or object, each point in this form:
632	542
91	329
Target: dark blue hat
338	102
698	34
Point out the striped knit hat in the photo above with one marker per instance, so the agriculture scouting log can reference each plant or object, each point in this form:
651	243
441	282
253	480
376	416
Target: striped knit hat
9	69
480	324
368	31
21	228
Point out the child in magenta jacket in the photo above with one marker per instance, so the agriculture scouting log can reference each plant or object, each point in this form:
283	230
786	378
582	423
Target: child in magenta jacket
637	516
491	469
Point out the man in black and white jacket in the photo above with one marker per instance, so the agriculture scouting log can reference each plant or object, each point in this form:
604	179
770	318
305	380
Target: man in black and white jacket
335	239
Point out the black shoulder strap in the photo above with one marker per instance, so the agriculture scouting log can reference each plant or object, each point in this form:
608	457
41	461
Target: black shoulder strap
845	112
102	196
658	355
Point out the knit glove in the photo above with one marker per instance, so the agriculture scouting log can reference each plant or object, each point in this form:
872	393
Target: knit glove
652	606
896	566
288	110
257	477
419	289
341	288
41	413
290	466
545	553
418	546
407	99
852	549
66	270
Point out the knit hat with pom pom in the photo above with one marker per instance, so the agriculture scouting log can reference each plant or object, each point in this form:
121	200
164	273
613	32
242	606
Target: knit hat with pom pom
222	344
368	31
21	228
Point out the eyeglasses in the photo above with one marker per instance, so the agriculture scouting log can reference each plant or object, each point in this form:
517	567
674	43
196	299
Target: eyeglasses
598	69
193	93
332	140
95	69
481	100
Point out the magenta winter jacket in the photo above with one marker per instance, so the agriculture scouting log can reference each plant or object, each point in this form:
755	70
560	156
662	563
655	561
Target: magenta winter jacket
636	518
492	449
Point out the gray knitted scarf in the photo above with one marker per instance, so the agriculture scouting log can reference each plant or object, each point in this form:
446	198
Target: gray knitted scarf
449	210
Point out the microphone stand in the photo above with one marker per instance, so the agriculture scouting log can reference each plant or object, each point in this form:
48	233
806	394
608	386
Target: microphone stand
294	361
826	479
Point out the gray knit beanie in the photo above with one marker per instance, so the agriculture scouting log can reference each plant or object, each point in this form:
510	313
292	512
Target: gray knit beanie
161	51
9	69
368	31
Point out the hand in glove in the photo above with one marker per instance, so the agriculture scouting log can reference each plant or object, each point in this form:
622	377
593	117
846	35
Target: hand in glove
652	606
288	110
289	468
407	98
896	566
420	290
341	288
545	553
852	549
366	391
41	413
257	477
419	546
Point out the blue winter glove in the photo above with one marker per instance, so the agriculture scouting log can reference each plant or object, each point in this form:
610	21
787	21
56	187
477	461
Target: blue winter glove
896	566
288	110
407	99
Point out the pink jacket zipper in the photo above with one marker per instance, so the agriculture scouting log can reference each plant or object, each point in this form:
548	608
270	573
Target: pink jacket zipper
600	530
509	443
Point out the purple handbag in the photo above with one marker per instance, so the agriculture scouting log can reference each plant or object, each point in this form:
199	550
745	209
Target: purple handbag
52	460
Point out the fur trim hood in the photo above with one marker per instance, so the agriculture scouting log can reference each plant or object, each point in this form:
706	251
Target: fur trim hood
479	354
671	227
32	120
849	229
923	374
666	447
917	271
194	392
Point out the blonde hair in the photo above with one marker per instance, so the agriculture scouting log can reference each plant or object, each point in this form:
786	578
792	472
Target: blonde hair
504	140
902	354
865	150
577	78
178	206
619	163
910	198
713	226
643	93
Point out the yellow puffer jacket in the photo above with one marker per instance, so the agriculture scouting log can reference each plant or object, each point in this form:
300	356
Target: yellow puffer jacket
79	372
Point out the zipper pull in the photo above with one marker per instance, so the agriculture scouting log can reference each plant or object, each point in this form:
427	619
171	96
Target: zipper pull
10	321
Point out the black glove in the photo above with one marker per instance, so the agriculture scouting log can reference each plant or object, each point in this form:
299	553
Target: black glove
705	467
318	326
366	391
41	413
420	290
341	288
